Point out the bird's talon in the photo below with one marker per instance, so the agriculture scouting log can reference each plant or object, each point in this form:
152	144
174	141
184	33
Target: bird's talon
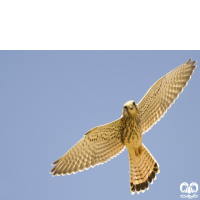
138	151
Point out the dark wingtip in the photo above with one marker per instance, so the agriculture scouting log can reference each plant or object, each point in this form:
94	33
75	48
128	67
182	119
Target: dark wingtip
146	184
156	169
56	162
138	187
143	186
191	63
132	187
149	179
153	175
54	174
187	62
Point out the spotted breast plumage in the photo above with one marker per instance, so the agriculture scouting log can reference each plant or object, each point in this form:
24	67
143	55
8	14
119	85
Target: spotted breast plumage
102	143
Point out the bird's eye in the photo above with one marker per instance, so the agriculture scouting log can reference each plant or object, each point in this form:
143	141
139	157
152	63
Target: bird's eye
134	103
126	107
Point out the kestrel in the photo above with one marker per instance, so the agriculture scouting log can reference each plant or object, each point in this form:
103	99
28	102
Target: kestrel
102	143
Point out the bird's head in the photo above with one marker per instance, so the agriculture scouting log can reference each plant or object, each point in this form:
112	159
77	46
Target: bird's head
129	108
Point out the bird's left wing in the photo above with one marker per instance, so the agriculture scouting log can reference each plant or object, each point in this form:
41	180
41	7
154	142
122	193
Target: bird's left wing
163	93
98	145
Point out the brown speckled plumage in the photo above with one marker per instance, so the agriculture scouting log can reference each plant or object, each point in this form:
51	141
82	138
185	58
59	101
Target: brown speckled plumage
102	143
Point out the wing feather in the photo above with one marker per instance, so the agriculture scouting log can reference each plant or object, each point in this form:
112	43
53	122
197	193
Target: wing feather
98	145
163	93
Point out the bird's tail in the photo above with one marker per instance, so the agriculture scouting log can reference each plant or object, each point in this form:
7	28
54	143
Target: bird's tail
143	169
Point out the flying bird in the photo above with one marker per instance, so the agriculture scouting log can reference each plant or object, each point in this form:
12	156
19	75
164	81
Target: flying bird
102	143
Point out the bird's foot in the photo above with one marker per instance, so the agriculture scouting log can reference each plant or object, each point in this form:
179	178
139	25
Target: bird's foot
138	151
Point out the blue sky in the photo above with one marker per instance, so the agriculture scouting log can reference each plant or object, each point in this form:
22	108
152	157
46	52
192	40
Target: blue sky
50	99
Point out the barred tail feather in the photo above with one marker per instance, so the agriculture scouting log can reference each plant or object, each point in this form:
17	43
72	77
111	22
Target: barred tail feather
143	170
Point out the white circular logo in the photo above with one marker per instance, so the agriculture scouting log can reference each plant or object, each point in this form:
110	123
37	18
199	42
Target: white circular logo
192	188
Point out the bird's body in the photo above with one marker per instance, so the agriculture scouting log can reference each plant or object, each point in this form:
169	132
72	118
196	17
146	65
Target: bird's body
102	143
132	132
142	164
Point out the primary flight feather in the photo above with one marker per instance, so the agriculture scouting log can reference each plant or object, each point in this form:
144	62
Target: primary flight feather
102	143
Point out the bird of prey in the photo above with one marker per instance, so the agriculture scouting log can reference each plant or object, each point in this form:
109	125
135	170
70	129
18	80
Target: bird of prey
102	143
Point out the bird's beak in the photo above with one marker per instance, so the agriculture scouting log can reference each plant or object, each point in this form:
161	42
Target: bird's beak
125	111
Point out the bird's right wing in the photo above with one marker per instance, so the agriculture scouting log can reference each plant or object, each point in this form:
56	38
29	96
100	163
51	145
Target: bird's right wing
163	93
98	145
